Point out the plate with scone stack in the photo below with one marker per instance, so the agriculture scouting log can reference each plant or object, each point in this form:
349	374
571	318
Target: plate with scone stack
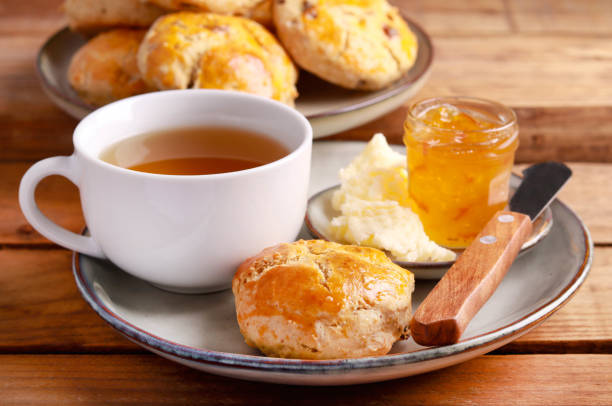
341	64
322	313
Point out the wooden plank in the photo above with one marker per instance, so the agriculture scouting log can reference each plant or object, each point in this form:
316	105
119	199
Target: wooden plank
30	17
565	133
42	311
587	17
147	379
443	17
584	324
58	198
32	126
588	193
546	133
524	70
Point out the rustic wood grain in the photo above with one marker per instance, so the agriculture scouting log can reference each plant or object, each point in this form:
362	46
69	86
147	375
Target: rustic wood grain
589	17
55	195
443	17
147	379
584	324
446	311
32	17
523	70
546	133
42	311
588	193
32	126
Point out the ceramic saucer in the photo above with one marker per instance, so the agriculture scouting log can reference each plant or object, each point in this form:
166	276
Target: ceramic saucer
201	331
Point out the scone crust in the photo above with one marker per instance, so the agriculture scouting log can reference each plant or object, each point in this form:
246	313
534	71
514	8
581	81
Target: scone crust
91	16
258	10
321	300
205	50
358	44
105	69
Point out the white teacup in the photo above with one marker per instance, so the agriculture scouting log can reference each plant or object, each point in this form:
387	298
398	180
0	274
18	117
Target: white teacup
182	233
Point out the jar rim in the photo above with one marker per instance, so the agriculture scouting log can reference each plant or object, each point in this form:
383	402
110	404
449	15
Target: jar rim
512	119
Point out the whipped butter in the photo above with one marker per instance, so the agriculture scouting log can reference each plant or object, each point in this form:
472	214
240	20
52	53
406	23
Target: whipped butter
373	202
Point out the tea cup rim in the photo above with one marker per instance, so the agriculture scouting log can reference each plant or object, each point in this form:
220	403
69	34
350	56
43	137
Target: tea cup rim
296	115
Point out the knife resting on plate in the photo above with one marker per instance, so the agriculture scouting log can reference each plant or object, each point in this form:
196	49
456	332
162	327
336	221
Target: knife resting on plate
445	313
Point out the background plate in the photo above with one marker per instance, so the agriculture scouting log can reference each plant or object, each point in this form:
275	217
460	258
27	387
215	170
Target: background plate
330	109
201	330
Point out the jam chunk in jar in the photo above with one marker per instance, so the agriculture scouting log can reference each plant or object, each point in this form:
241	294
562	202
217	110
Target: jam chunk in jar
460	154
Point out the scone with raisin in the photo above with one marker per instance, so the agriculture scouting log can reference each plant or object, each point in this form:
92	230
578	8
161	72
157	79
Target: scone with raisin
91	16
211	51
105	69
258	10
321	300
357	44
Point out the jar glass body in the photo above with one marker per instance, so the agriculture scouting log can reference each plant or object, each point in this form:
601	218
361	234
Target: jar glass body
458	178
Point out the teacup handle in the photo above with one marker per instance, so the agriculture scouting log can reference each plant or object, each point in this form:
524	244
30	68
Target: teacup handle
63	166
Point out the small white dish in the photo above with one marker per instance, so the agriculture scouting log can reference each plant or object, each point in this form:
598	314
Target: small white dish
330	109
320	213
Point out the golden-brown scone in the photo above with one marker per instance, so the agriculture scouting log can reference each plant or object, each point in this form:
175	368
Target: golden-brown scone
358	44
321	300
262	13
90	16
205	50
258	10
105	69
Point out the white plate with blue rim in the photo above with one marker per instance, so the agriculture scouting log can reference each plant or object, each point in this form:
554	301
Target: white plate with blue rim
201	331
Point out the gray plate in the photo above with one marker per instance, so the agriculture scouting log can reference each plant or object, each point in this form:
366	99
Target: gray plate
201	331
330	109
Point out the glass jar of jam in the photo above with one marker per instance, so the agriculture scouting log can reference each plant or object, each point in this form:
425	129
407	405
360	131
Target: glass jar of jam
460	153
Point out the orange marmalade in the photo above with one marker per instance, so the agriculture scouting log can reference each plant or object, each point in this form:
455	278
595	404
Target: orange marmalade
460	154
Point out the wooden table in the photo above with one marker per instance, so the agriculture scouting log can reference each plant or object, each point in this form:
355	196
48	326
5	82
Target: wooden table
550	59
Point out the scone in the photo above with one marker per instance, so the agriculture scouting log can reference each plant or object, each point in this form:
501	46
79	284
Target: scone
204	50
105	68
262	13
90	16
356	44
258	10
321	300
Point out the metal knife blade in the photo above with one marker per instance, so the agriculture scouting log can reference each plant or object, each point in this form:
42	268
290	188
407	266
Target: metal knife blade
540	185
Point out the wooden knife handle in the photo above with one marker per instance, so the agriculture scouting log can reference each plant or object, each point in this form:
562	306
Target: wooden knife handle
445	313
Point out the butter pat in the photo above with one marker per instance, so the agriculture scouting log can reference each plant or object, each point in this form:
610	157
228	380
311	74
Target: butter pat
373	202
